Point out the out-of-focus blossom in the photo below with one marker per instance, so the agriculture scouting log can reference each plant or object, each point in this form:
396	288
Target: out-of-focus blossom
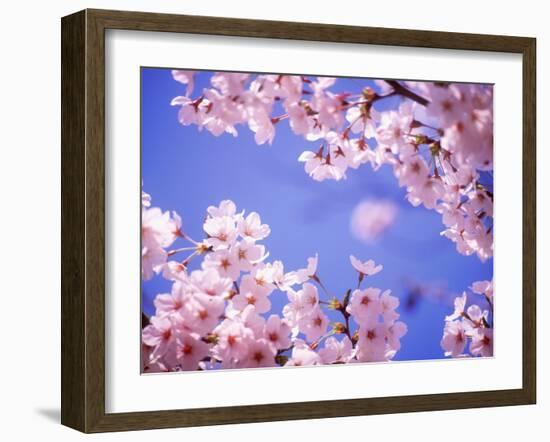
370	219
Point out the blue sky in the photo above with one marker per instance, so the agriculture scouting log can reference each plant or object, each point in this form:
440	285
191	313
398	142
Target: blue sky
186	170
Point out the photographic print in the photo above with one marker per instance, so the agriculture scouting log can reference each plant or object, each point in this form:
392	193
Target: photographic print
298	220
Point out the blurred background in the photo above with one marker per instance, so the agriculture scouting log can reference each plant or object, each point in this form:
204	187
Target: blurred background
186	170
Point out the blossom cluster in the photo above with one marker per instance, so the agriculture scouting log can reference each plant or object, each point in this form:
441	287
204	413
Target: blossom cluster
469	331
439	141
220	314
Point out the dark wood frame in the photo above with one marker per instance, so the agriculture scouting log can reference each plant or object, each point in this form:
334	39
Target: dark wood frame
83	220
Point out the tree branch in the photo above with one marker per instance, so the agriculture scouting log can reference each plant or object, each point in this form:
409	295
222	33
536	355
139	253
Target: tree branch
402	90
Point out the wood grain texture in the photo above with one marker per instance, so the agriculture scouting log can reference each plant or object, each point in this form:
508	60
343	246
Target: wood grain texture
83	219
73	256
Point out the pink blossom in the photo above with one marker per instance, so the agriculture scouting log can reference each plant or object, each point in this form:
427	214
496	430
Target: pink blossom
460	307
174	271
388	305
483	288
260	354
454	339
225	262
248	253
283	281
223	114
159	229
191	111
167	304
371	346
260	123
394	129
364	305
250	293
359	153
336	351
321	167
395	332
367	268
476	317
303	355
428	193
226	208
306	274
202	312
446	104
314	324
233	339
371	219
482	342
300	122
187	351
152	260
221	231
251	319
185	77
252	227
363	120
210	282
277	332
229	83
301	303
158	334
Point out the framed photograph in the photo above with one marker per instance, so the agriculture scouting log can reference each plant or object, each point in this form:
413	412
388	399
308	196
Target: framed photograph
266	220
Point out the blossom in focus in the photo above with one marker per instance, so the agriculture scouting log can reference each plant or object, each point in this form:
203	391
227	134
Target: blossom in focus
213	317
367	268
336	351
454	338
437	142
470	325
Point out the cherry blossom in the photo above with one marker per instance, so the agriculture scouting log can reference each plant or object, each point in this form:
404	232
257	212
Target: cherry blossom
314	324
260	354
187	351
252	227
470	325
372	343
301	303
482	342
307	273
185	77
437	141
335	351
302	355
365	305
370	219
368	268
220	314
394	130
454	338
460	307
251	293
483	288
277	332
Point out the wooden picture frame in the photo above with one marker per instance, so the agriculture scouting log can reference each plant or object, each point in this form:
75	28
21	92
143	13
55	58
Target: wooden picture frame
83	220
